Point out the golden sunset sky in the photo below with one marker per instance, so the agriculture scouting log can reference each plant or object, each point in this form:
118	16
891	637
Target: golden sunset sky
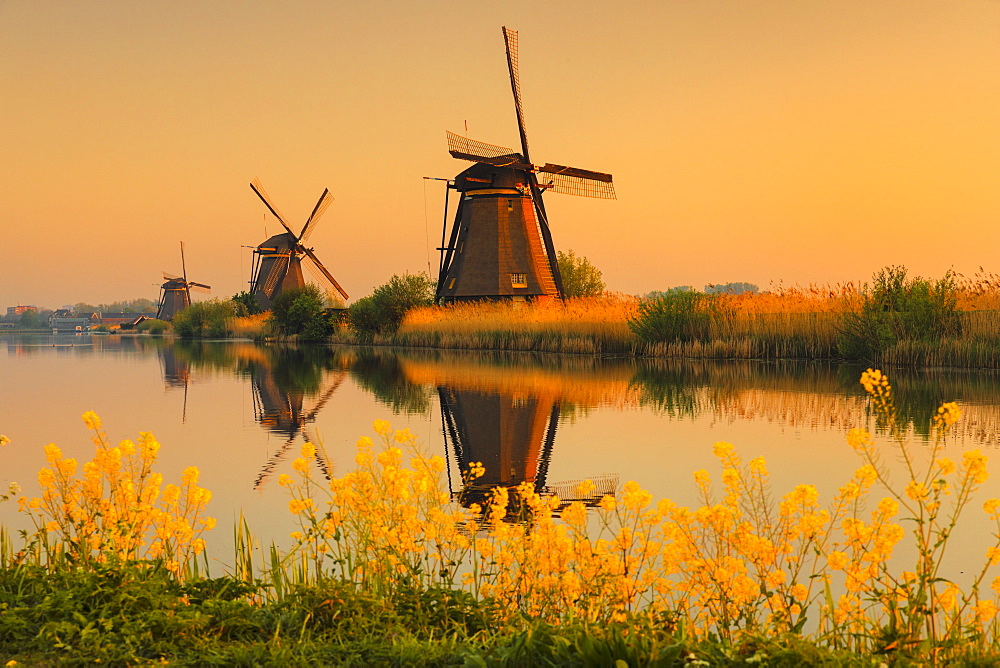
801	141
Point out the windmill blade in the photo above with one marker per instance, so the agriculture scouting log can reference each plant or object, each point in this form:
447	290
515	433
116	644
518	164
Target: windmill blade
259	189
329	276
325	200
575	181
171	277
464	148
510	41
277	273
338	380
184	271
200	287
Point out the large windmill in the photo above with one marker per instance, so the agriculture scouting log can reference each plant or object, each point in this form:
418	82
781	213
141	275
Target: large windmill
278	260
175	294
500	244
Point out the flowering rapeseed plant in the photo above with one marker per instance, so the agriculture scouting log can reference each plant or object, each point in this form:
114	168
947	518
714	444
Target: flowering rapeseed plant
118	508
739	563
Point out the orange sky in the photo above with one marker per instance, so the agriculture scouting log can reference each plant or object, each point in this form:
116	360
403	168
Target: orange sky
750	140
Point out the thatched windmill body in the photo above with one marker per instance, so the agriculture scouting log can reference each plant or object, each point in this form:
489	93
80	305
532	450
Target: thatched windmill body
277	262
500	244
175	294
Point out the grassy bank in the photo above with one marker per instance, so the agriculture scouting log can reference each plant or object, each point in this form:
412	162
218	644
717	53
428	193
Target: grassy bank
790	324
388	568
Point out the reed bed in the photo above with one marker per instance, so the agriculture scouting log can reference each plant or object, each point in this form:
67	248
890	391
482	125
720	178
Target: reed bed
784	323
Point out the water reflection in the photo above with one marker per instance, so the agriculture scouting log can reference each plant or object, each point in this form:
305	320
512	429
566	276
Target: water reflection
290	385
505	415
505	410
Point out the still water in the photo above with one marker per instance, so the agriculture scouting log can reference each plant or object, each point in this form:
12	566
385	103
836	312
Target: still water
241	411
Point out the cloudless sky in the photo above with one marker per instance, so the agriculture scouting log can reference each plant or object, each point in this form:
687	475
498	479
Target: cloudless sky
750	140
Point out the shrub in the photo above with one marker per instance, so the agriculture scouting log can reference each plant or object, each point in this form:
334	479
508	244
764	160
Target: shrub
208	319
672	316
302	312
384	310
153	326
895	308
579	277
247	304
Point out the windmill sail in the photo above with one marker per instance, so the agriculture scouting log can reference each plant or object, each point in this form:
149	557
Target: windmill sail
278	259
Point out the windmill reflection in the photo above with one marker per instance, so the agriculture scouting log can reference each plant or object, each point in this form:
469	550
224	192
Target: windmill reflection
289	391
506	417
290	385
176	373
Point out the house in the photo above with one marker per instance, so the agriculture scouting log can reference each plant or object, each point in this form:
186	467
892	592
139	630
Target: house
124	320
63	320
20	309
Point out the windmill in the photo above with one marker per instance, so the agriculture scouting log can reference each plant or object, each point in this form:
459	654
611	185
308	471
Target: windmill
175	294
500	244
278	260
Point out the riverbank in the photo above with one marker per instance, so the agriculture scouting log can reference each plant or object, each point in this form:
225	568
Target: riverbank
747	327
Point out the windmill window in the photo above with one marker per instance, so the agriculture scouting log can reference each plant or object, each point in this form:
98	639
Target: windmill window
510	205
519	280
451	283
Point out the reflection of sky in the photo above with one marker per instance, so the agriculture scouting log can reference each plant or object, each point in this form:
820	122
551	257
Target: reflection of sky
43	395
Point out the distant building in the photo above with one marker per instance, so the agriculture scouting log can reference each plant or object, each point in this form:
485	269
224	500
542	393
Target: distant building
63	320
6	325
126	320
19	309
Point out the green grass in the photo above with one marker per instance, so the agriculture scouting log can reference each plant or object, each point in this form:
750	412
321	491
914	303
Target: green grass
136	614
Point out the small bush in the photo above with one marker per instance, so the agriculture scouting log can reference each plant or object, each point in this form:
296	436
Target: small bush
579	277
247	304
302	313
895	308
384	310
153	326
209	319
673	316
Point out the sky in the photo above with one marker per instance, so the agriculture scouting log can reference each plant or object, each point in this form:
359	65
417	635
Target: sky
777	142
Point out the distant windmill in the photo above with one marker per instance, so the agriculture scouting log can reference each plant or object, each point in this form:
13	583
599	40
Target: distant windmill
278	260
500	244
176	292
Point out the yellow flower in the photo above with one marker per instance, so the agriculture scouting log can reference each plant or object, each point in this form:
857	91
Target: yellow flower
991	506
285	480
4	441
948	414
301	465
308	450
916	490
52	453
837	560
190	475
722	449
985	610
975	465
607	503
858	439
91	420
946	466
381	427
